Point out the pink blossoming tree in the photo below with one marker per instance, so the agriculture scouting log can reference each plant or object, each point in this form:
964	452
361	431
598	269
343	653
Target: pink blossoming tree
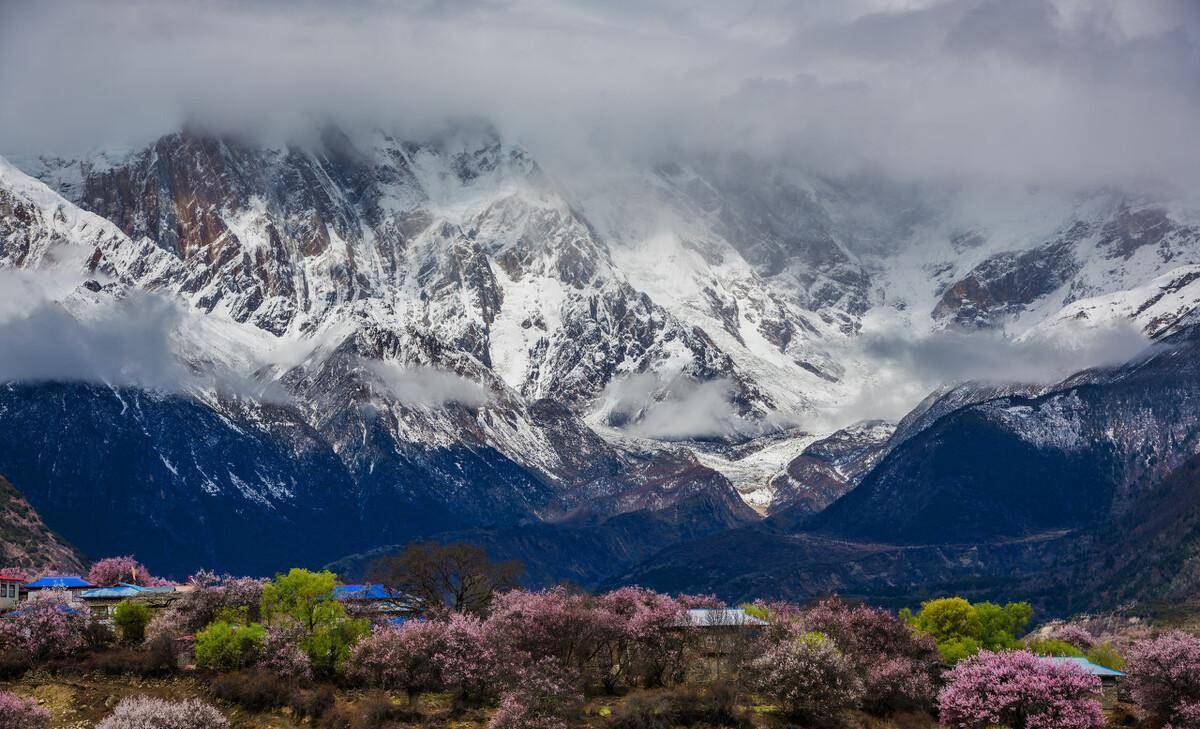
468	661
1164	677
400	658
895	664
49	623
15	573
543	695
1021	690
808	677
111	570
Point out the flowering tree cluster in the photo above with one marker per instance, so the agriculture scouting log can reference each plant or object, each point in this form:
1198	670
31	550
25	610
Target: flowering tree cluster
19	713
212	596
1019	689
112	570
144	712
405	658
49	623
533	649
544	696
280	653
896	664
15	573
1164	678
1075	635
808	677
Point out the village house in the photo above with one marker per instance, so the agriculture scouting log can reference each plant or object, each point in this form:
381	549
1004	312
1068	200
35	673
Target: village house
102	601
10	592
374	601
719	635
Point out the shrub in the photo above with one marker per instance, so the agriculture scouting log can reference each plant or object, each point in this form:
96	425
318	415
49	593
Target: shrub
157	659
49	623
897	684
1106	654
227	646
1019	689
1163	676
112	570
98	635
374	711
401	658
1053	647
212	596
131	619
13	664
313	703
19	713
808	678
544	696
255	690
144	712
680	706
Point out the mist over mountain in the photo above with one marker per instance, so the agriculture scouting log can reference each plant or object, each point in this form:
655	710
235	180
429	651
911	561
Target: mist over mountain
613	289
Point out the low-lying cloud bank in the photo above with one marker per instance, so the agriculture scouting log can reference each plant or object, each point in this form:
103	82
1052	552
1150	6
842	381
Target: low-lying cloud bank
134	340
427	386
669	406
908	367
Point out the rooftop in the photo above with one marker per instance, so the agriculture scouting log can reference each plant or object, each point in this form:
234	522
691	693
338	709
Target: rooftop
363	592
717	617
1086	665
122	590
65	581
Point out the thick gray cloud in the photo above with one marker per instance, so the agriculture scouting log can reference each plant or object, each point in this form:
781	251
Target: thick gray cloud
427	386
130	341
678	408
1074	91
906	368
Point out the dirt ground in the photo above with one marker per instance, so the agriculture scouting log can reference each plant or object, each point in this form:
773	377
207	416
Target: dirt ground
79	702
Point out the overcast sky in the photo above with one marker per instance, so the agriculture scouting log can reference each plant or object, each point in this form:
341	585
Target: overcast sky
1087	91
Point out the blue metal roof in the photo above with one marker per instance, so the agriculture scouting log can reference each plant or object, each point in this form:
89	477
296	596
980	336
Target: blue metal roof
67	581
122	590
1086	665
362	592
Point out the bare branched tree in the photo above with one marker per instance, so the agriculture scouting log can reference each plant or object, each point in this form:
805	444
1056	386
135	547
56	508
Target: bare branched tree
438	577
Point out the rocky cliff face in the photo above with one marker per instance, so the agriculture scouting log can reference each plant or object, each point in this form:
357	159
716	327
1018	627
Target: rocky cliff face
26	541
379	338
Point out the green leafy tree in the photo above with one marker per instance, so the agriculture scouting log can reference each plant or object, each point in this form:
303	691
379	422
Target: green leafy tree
131	619
304	599
227	646
1000	626
1054	647
1105	654
961	629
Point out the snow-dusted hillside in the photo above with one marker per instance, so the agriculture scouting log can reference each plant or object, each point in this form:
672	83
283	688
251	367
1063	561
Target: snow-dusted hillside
446	292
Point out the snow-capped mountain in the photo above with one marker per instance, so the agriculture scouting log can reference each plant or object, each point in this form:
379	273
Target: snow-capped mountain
460	340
